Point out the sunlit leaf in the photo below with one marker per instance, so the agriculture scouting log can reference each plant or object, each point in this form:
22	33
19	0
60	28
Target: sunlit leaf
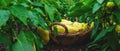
4	16
23	43
96	7
20	12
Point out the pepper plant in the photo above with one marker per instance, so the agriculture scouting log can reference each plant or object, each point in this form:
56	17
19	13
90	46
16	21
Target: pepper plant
20	18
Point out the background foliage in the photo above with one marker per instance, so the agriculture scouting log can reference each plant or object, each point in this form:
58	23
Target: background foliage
20	18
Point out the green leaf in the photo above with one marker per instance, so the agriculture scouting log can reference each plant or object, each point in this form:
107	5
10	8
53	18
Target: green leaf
38	42
110	28
4	16
42	23
81	8
100	1
81	19
57	17
23	44
39	11
21	1
5	40
55	31
20	12
24	4
34	18
29	36
37	4
117	14
95	29
103	33
100	35
117	2
105	47
51	11
4	3
96	7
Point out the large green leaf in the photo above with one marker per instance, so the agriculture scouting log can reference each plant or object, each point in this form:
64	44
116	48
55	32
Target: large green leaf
4	16
24	43
20	12
96	7
34	18
51	11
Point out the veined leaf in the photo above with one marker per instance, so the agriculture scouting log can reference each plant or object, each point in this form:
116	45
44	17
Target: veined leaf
20	12
23	44
51	11
4	16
